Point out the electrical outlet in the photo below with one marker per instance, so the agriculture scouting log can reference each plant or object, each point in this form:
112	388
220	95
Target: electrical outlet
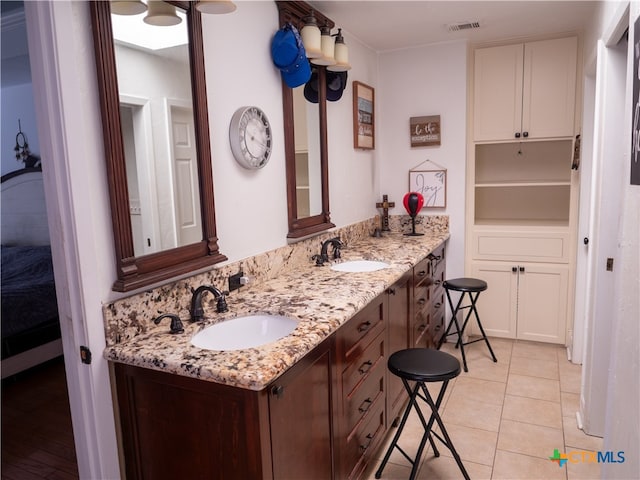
235	281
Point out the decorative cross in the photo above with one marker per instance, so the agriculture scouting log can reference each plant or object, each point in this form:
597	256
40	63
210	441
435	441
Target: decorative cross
385	205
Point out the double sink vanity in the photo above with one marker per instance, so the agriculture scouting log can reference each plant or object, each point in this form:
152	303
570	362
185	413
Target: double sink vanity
315	403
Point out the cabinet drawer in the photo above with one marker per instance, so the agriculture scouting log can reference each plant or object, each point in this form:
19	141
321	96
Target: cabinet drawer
422	272
420	327
357	333
369	361
360	402
361	445
421	297
521	246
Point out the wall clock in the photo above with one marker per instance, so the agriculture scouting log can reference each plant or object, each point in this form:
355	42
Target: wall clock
250	137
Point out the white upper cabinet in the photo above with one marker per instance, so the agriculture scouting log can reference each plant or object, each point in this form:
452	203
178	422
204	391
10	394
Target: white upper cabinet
525	90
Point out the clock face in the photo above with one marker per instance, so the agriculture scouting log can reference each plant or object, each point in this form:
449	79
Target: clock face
250	137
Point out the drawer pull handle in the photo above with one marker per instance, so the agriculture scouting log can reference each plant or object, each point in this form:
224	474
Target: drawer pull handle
422	301
365	367
391	291
437	282
364	447
422	328
422	273
437	305
366	405
363	327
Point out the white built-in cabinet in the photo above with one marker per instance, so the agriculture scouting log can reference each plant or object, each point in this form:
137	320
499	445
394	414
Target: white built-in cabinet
526	90
522	191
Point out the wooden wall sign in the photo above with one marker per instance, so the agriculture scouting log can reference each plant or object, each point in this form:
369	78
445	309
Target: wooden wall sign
425	131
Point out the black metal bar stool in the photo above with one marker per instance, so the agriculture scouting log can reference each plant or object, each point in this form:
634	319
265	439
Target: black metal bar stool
422	365
470	286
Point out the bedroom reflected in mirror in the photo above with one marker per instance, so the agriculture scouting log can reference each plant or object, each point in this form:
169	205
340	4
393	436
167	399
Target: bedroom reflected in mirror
154	84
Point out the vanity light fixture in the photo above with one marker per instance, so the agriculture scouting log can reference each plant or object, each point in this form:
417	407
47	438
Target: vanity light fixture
128	7
161	14
327	44
216	6
310	34
341	55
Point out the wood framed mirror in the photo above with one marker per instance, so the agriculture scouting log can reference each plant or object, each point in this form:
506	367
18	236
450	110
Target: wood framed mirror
138	263
305	135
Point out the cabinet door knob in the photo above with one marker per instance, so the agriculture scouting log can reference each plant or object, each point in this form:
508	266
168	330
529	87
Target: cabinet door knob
521	269
391	291
517	134
514	269
525	134
277	390
586	241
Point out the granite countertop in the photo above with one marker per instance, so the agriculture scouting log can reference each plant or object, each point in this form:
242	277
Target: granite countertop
320	298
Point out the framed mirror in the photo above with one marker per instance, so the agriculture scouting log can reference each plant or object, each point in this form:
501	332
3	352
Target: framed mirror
157	147
305	135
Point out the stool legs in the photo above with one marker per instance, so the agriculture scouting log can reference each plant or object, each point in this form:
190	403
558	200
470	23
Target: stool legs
435	417
454	321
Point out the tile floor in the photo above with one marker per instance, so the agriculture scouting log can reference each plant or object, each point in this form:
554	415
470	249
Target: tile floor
505	418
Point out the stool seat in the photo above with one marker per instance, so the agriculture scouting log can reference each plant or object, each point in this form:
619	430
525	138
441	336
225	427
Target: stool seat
424	365
465	285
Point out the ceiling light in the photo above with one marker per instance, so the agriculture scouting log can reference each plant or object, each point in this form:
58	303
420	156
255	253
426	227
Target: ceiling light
327	46
128	7
216	6
311	37
161	14
341	55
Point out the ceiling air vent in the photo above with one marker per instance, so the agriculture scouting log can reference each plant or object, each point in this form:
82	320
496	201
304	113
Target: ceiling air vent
456	27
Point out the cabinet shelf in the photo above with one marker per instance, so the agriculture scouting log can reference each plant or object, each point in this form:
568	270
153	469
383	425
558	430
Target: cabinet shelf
540	183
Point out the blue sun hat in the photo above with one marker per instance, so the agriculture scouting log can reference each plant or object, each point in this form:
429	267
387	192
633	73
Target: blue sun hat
288	54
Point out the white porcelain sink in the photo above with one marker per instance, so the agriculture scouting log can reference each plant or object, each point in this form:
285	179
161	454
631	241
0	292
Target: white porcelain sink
244	332
359	266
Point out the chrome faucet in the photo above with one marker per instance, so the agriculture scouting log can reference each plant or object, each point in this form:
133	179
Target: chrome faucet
197	311
324	251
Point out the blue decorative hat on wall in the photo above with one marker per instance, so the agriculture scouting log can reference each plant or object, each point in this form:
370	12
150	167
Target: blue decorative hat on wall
288	54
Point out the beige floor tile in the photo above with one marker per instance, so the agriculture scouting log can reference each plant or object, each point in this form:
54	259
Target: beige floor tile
486	369
533	387
583	470
523	348
533	440
570	404
535	367
532	410
570	379
469	412
515	466
480	390
446	468
391	471
576	439
472	444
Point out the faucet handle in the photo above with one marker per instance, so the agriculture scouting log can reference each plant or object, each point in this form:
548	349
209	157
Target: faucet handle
176	323
221	304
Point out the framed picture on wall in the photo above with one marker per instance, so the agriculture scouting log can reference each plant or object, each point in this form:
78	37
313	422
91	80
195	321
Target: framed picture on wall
432	184
364	125
425	131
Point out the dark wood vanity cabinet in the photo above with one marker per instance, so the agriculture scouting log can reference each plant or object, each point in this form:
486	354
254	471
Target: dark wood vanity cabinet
326	417
428	303
179	427
361	352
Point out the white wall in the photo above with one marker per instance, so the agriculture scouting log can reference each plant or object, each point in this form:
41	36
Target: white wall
430	80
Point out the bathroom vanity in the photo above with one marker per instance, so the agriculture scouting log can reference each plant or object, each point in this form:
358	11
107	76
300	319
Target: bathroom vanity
315	404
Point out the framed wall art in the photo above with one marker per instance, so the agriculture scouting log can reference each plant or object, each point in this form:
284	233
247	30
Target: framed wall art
425	131
364	125
432	184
